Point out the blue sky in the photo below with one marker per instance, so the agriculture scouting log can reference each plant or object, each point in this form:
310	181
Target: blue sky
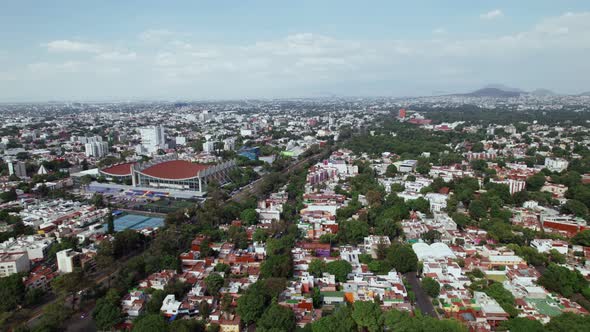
100	50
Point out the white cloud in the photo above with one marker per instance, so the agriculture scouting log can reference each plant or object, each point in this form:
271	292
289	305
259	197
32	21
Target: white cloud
48	68
491	15
439	31
65	45
310	61
116	56
155	35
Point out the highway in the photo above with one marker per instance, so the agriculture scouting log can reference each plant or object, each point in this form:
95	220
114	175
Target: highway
254	187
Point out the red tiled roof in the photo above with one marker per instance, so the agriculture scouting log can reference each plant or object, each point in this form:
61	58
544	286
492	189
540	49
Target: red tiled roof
175	169
120	169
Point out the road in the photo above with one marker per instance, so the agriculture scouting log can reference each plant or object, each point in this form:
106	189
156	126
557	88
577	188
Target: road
422	300
99	278
254	187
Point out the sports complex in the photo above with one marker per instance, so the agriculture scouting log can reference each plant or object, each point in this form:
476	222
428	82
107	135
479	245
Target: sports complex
164	177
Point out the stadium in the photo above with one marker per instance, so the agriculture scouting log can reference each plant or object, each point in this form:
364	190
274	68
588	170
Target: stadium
170	173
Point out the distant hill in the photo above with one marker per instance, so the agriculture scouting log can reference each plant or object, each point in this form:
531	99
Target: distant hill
504	88
586	94
542	92
491	93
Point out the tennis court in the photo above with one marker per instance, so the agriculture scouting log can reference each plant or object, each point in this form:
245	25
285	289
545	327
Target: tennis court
137	222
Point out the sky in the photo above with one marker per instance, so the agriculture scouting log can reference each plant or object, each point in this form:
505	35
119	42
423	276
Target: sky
201	50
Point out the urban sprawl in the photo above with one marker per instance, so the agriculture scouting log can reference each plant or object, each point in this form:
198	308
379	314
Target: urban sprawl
449	213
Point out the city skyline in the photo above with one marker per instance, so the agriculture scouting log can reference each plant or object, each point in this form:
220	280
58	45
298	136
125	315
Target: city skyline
198	51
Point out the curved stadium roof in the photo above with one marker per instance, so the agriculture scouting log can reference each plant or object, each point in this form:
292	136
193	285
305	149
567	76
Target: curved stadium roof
174	170
118	170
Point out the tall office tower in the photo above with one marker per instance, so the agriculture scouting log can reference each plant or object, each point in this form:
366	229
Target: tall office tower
153	138
17	168
209	147
96	149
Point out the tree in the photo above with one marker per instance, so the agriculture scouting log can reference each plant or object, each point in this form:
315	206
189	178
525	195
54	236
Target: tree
477	209
397	187
106	314
249	216
352	231
340	321
520	324
582	238
317	267
259	235
504	298
110	223
556	257
374	198
402	322
560	279
155	303
9	195
54	315
274	286
402	258
278	266
576	208
278	318
12	291
205	249
251	305
340	269
69	284
535	182
222	267
431	236
150	323
214	283
431	287
568	321
105	255
419	204
391	171
187	325
204	309
98	201
367	315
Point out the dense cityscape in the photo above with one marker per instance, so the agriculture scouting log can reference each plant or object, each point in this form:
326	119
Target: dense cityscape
454	213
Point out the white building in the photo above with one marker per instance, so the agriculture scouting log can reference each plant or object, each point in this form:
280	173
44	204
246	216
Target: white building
13	263
436	251
17	168
546	245
66	260
406	166
96	149
372	243
513	185
247	132
36	247
438	202
229	144
350	255
170	306
209	147
556	165
180	140
153	138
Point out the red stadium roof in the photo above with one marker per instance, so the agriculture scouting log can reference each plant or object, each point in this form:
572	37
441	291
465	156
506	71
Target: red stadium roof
174	170
119	170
